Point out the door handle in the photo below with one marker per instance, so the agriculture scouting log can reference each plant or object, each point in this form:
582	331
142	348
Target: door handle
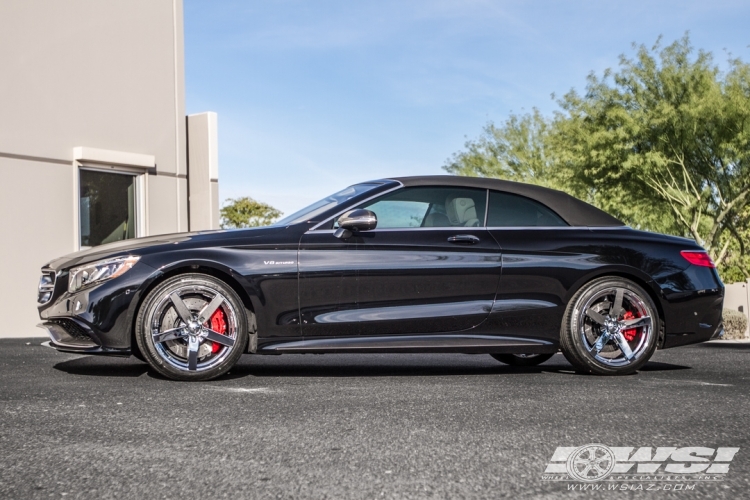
466	239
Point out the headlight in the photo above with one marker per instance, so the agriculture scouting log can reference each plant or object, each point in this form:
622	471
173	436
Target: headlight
96	272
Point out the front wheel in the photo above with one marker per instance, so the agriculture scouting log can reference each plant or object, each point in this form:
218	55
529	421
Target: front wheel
610	327
192	327
522	359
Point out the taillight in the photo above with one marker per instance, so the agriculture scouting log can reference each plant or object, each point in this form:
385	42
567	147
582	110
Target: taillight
698	258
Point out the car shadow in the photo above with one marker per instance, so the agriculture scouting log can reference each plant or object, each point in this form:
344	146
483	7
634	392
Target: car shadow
378	370
658	366
116	367
737	346
93	366
347	369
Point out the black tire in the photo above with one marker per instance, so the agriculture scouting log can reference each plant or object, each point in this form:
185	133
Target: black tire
522	359
174	357
583	340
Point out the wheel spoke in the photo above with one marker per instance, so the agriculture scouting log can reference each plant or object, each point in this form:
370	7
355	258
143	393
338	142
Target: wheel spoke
210	308
636	322
622	343
174	333
193	346
182	311
219	338
595	316
617	305
601	342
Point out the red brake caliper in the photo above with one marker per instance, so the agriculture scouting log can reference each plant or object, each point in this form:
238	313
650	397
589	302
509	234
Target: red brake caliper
630	333
219	325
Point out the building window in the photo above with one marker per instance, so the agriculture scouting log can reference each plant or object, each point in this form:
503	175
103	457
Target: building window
107	207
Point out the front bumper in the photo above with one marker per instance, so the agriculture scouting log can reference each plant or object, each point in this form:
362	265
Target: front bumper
68	336
96	320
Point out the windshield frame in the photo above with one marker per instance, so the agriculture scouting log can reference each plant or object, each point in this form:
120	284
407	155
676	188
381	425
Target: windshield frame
331	220
319	210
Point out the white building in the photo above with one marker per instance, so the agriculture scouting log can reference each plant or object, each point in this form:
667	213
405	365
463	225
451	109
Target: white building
93	136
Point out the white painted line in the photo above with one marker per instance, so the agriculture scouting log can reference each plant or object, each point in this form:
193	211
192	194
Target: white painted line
244	390
694	382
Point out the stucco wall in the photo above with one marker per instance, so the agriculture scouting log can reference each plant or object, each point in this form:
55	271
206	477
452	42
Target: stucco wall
105	74
92	73
737	297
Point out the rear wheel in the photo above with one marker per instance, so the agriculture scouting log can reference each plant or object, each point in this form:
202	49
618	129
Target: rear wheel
522	359
192	327
610	327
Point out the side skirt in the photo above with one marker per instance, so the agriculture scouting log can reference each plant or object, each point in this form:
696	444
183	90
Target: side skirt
457	343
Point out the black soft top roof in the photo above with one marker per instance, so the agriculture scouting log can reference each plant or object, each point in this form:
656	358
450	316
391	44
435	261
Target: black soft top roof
574	211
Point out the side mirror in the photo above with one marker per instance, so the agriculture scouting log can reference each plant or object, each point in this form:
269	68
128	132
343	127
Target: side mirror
355	220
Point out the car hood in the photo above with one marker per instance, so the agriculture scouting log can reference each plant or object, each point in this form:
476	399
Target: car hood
151	244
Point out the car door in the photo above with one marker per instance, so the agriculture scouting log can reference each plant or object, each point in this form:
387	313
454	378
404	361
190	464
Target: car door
429	266
542	259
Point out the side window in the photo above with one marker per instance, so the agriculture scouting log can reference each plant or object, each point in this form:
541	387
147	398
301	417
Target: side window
511	210
430	207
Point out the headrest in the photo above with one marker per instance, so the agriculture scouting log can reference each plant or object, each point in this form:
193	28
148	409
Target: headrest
460	210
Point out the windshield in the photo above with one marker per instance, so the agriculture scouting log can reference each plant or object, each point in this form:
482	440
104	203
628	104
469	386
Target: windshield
327	203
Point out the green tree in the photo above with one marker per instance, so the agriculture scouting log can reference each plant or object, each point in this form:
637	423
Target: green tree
736	266
518	150
662	143
667	132
247	212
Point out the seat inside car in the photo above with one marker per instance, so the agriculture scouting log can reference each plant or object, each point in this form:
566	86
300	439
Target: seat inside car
436	219
461	212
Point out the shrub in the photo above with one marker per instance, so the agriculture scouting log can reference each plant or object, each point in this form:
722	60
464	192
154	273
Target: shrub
735	324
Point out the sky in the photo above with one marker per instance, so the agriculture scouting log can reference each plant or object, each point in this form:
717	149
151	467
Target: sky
313	96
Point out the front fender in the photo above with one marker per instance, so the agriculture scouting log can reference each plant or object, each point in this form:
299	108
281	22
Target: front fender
264	277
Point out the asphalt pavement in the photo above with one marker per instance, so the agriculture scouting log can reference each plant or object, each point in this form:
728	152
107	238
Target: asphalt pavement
355	426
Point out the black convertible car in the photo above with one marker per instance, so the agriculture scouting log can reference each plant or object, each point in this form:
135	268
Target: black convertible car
414	264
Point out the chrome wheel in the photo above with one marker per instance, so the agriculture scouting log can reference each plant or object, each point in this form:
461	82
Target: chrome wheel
615	326
610	327
192	327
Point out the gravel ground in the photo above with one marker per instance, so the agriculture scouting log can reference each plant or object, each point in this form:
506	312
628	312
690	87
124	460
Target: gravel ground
353	426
